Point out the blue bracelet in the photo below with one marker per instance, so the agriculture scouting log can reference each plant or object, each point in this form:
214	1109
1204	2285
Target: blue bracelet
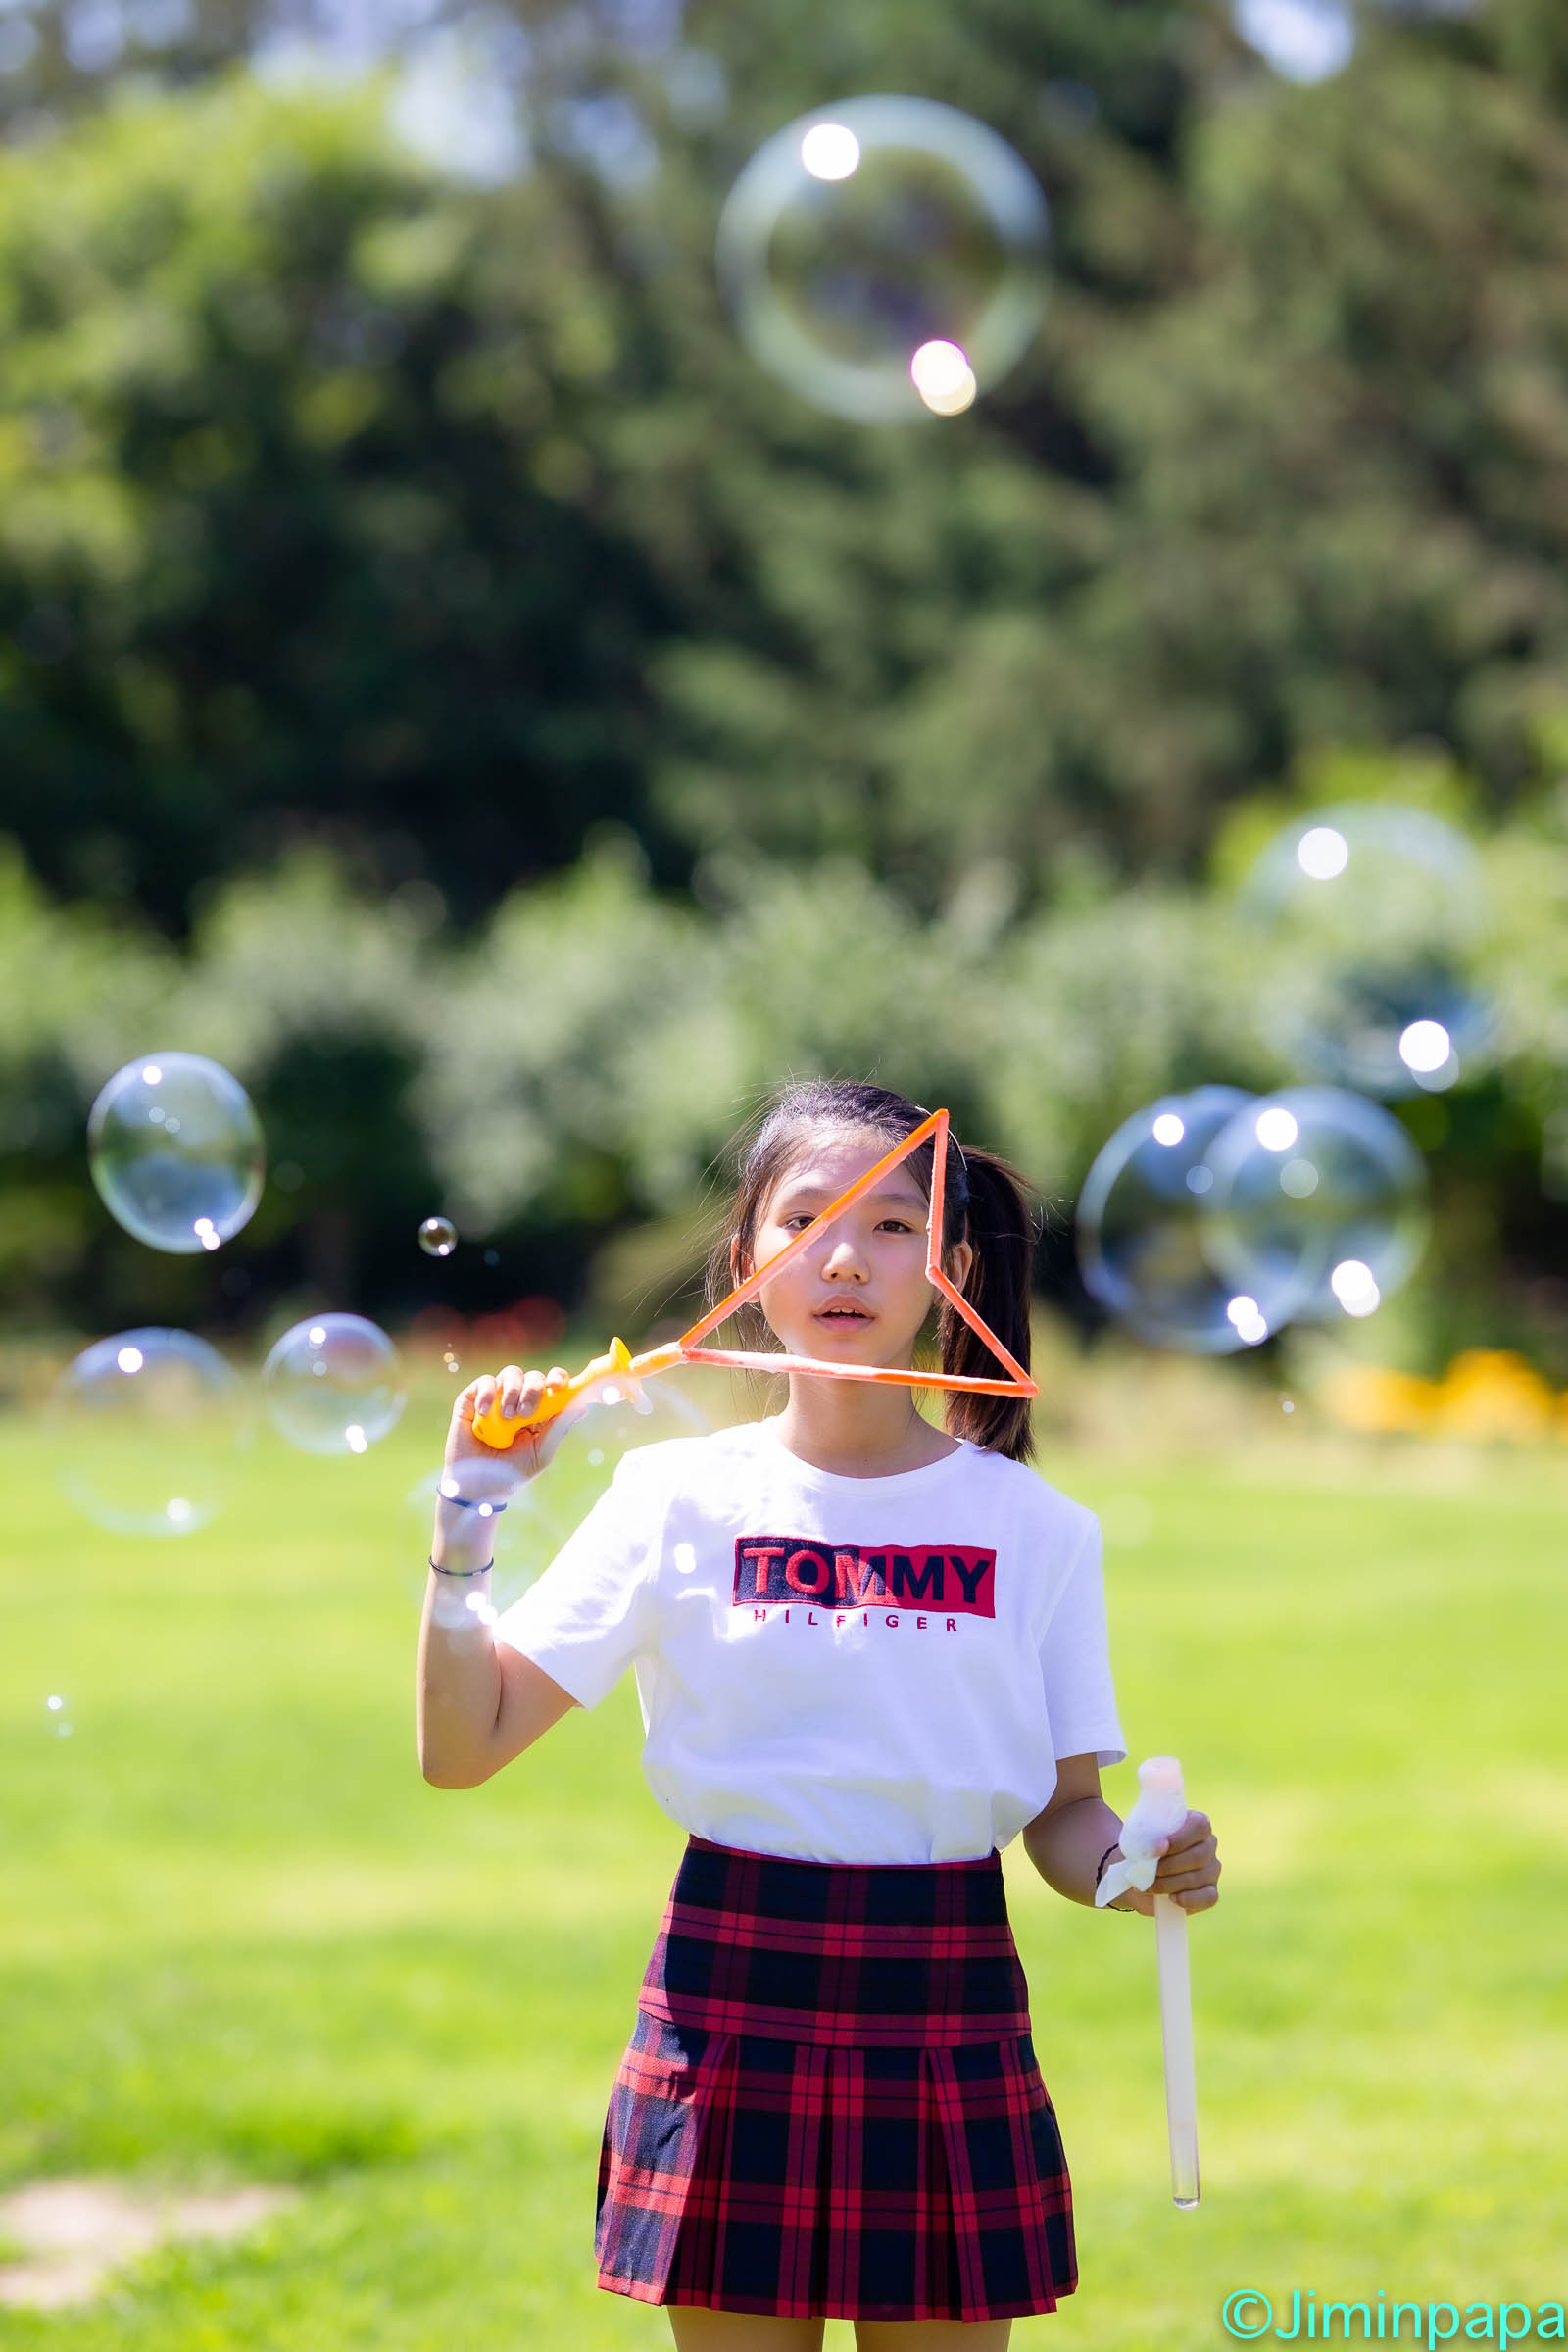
465	1502
484	1571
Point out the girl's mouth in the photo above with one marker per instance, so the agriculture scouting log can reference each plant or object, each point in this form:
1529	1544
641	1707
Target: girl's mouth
846	1317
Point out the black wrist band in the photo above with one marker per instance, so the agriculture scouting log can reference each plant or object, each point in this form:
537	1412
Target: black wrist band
484	1571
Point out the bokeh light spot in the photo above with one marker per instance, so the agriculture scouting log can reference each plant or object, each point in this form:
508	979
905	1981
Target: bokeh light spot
1425	1045
830	151
1276	1129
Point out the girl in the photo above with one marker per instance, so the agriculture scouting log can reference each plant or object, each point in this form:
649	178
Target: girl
868	1654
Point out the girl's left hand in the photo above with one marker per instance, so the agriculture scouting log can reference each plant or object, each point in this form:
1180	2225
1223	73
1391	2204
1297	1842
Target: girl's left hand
1189	1871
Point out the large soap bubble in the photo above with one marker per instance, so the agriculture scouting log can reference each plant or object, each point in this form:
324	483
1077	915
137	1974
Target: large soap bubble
334	1384
148	1424
884	258
620	1416
1370	911
174	1146
527	1521
1319	1194
1142	1219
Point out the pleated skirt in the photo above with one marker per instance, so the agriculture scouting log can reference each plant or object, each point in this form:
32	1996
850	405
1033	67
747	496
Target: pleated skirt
830	2105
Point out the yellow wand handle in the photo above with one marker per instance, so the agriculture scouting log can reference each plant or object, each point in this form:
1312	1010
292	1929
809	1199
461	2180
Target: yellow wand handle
490	1428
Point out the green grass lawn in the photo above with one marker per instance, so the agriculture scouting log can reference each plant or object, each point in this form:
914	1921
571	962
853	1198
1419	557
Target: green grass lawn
241	1939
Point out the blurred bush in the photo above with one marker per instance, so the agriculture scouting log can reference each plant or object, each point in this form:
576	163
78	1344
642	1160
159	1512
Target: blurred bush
564	1080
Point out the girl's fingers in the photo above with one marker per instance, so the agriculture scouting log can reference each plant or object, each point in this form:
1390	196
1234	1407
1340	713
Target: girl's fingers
520	1391
1199	1868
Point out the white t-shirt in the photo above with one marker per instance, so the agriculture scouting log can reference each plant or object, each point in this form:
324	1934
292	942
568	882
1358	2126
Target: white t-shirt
836	1669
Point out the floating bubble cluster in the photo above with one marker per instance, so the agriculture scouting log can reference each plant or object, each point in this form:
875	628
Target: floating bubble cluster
1369	910
334	1384
1321	1194
149	1423
175	1148
438	1237
1141	1221
884	258
1211	1219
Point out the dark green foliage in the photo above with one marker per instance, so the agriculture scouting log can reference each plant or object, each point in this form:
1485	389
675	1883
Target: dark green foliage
446	523
291	538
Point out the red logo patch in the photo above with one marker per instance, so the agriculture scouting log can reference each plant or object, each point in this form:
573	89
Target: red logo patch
919	1576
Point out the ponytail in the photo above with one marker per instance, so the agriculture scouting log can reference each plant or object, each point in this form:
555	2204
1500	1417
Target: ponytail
1000	1229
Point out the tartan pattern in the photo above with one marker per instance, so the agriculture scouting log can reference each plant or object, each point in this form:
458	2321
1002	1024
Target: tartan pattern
848	1955
817	2173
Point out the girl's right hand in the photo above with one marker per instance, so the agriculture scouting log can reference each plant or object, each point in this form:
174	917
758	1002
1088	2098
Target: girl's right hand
518	1392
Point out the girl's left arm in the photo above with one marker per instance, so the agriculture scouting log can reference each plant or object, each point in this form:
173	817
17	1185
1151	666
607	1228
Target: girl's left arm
1065	1840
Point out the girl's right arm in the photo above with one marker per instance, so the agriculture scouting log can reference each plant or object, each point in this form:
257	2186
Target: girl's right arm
481	1704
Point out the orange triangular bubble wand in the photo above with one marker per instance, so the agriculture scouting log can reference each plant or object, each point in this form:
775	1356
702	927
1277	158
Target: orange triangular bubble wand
493	1430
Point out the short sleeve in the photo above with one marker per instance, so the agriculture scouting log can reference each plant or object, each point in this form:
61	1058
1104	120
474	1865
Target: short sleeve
1075	1661
589	1614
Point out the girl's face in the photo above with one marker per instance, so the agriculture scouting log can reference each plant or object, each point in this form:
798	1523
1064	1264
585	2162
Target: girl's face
858	1294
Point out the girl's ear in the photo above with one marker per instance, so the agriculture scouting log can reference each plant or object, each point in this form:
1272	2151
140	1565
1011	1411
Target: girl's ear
736	1269
960	1258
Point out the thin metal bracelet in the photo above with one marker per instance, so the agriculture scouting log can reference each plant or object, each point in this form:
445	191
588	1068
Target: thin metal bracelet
484	1571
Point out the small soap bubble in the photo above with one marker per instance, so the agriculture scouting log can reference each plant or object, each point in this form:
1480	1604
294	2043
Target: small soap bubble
451	1362
1142	1216
1321	1194
884	258
174	1149
332	1385
438	1237
148	1426
57	1716
1367	913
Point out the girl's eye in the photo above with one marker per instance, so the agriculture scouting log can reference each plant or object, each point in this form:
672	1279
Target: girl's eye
802	1218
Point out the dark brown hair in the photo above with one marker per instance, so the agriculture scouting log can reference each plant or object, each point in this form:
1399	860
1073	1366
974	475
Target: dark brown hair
988	1204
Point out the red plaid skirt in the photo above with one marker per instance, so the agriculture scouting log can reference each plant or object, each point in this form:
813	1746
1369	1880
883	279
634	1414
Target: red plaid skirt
830	2106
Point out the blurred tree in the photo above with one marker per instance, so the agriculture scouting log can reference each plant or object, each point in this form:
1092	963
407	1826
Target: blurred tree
450	521
284	546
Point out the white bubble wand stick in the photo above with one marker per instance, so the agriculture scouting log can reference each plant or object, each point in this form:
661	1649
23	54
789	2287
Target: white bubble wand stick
1158	1812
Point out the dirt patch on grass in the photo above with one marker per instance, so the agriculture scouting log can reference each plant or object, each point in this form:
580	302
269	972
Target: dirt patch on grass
71	2235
